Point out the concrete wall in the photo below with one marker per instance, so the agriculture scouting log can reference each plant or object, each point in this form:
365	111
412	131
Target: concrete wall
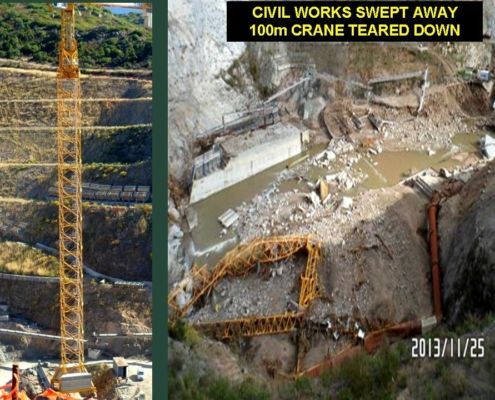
246	164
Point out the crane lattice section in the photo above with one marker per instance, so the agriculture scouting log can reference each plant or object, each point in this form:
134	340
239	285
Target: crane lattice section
238	262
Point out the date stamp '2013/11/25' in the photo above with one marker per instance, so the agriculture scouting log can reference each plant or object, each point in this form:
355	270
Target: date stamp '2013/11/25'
448	347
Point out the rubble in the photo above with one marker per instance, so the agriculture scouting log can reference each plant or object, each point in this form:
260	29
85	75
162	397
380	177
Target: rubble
228	218
315	200
247	296
175	252
346	203
369	236
173	214
487	145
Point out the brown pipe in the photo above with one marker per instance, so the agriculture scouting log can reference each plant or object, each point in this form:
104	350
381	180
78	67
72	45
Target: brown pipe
15	382
372	343
435	264
335	361
375	339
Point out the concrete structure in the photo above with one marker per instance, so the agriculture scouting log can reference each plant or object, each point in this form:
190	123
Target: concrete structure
243	121
393	78
487	144
148	19
94	354
228	218
247	155
120	367
75	382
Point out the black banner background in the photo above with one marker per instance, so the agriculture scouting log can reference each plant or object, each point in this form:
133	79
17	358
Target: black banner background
240	17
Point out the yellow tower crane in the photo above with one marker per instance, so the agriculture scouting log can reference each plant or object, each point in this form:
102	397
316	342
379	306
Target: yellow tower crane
72	375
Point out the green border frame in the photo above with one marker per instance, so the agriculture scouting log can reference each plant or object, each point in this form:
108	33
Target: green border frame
160	184
160	199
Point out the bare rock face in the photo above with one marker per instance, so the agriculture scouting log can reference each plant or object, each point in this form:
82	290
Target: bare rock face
468	248
198	52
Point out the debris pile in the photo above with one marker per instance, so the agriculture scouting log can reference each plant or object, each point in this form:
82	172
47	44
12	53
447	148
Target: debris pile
266	291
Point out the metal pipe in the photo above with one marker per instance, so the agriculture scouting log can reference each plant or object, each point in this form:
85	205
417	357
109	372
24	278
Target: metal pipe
375	339
15	382
435	264
372	342
335	361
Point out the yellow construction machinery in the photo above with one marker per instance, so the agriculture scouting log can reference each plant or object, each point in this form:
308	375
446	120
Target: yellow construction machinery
239	262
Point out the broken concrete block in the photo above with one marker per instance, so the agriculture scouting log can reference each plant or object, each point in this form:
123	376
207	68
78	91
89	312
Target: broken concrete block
305	137
348	184
445	173
330	155
320	156
175	232
173	214
228	218
192	218
487	144
314	199
346	203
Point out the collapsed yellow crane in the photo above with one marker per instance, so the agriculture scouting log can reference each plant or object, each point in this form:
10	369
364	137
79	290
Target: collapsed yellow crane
238	262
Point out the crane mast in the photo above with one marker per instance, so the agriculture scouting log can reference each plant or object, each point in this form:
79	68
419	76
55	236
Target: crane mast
69	195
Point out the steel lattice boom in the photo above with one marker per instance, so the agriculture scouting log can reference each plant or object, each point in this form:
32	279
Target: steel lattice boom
239	262
252	326
69	194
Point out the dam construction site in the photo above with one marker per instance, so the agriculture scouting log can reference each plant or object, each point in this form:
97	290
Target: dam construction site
75	202
328	203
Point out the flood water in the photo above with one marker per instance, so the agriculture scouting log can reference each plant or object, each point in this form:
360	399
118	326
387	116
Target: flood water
385	169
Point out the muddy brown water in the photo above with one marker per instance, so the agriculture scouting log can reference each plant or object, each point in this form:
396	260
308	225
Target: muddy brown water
391	167
206	235
383	170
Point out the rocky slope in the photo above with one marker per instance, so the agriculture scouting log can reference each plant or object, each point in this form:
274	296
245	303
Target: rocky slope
198	95
467	229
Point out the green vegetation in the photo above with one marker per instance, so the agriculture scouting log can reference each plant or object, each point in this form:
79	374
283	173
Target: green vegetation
118	174
368	377
472	323
31	31
364	377
127	145
206	387
247	65
385	375
18	258
185	333
191	380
